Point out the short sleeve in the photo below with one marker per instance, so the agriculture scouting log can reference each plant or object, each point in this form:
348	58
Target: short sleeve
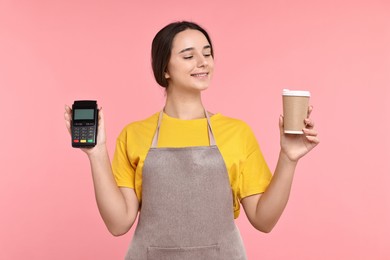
122	169
255	175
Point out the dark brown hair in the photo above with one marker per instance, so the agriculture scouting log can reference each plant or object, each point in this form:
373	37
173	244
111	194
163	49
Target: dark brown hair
162	46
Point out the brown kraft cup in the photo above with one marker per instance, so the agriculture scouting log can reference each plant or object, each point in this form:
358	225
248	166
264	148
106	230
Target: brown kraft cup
295	108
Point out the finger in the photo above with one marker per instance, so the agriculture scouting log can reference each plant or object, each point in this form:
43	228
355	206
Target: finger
68	109
281	123
313	139
67	124
310	132
309	123
101	116
309	110
68	113
68	117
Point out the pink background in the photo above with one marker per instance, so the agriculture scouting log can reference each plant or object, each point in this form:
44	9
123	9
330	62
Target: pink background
53	52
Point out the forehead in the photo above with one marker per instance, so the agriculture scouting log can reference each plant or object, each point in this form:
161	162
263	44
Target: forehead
189	38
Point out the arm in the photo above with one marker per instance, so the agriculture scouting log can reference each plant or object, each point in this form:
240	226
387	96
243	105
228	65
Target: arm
264	210
117	206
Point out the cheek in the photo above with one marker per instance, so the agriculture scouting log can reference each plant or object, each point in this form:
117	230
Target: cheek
176	67
211	63
211	66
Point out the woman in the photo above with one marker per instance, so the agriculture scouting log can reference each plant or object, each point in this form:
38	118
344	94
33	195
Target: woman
188	168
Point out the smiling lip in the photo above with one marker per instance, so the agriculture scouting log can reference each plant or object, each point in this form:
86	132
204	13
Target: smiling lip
203	74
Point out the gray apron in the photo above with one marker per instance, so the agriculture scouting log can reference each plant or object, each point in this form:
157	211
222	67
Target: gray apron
187	206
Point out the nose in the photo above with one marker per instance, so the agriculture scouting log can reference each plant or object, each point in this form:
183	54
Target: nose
201	61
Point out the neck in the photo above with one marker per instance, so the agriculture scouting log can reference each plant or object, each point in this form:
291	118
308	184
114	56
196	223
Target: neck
185	106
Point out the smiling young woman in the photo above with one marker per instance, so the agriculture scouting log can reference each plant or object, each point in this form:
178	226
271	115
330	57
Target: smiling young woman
190	169
191	65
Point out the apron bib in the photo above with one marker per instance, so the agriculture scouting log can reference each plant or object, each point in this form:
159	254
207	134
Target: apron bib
187	206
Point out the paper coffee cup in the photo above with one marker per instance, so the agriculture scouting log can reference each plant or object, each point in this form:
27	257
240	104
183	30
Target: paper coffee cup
295	108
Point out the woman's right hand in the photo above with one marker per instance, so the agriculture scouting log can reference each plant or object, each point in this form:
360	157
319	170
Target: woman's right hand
101	132
117	206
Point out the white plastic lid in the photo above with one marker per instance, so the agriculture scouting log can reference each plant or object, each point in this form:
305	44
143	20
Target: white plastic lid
296	93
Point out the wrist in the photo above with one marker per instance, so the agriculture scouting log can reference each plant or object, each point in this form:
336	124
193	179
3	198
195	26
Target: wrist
97	152
283	156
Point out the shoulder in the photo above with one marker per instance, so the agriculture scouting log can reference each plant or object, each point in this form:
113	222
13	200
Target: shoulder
222	122
234	133
148	122
138	128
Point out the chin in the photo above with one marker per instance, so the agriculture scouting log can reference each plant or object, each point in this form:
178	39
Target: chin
202	88
201	85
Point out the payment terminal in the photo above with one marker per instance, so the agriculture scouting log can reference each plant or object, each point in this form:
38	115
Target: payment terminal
84	123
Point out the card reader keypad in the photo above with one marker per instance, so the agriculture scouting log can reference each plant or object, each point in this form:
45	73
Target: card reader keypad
83	134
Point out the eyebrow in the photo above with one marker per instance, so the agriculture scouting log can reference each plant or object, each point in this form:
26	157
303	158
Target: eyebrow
192	48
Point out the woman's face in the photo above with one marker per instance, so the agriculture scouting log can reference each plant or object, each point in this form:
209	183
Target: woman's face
191	65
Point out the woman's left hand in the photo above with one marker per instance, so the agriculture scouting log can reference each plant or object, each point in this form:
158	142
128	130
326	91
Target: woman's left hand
296	146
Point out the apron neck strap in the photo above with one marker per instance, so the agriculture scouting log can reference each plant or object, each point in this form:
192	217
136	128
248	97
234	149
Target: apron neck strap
210	131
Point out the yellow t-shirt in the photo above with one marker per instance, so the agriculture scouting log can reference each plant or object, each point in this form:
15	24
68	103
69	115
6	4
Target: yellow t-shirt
245	164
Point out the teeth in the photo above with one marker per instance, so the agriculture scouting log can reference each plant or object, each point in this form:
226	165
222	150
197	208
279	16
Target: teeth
199	74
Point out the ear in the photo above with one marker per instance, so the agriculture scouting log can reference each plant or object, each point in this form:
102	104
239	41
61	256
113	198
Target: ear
166	75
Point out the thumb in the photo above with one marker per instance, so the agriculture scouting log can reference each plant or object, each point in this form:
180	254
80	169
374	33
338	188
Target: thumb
281	123
101	116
